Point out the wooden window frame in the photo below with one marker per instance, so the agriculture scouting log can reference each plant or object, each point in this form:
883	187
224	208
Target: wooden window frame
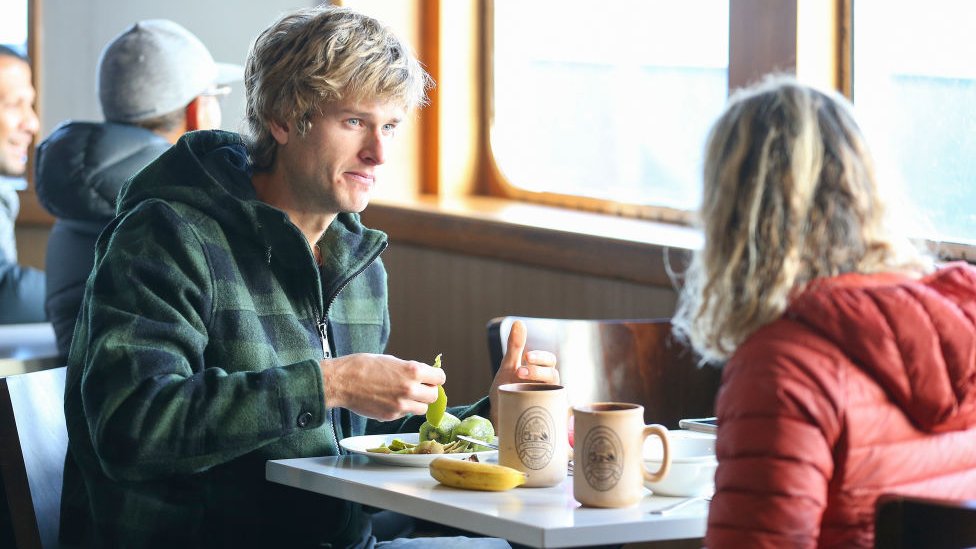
463	204
456	158
764	37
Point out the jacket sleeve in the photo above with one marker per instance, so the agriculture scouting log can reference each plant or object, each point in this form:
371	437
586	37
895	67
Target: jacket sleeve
156	404
21	294
777	424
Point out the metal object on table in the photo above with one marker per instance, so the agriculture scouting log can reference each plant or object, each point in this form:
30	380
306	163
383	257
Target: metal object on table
668	509
478	442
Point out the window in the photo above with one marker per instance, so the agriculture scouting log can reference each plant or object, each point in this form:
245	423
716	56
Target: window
914	89
13	25
609	101
613	102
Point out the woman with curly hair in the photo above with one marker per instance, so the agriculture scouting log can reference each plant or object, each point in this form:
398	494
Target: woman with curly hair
850	357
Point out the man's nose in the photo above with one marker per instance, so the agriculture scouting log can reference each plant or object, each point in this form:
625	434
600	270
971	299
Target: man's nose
374	149
30	122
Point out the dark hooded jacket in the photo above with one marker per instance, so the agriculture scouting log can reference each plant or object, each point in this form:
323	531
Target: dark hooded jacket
196	360
866	385
80	168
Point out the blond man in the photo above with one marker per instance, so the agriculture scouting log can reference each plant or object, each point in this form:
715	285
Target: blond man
237	310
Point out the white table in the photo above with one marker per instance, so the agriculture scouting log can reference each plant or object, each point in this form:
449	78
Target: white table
27	348
538	517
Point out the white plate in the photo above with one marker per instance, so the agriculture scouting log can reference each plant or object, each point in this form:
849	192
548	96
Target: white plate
358	445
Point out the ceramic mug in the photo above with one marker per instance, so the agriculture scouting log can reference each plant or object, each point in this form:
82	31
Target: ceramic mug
532	435
608	455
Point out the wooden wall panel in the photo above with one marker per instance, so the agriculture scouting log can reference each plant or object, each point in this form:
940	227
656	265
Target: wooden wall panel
31	244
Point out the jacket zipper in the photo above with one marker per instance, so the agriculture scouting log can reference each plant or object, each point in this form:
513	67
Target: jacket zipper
323	327
323	323
324	334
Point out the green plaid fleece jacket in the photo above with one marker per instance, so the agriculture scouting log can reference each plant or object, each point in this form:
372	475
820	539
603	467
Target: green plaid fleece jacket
196	359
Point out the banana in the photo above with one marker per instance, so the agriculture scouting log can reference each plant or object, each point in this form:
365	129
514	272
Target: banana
470	475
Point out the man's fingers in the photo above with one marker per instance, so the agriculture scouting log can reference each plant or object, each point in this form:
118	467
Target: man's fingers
543	374
516	344
432	376
540	358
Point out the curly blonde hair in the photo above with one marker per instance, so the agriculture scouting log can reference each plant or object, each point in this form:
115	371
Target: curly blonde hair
317	56
790	195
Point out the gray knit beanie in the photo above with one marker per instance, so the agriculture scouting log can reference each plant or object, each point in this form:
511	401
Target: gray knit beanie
154	68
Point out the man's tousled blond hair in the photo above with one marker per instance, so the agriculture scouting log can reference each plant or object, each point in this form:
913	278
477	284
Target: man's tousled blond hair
321	55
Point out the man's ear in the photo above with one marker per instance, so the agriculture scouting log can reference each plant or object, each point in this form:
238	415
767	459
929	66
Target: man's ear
279	131
203	113
194	114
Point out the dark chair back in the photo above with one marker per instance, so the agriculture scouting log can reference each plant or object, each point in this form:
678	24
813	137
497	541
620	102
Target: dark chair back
33	442
636	361
904	522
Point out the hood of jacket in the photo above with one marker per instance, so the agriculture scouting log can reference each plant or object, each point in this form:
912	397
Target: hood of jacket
81	167
204	169
915	337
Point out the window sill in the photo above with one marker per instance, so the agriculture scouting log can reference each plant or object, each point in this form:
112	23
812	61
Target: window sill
579	242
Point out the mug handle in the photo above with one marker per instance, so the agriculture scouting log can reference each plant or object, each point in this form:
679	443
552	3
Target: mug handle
661	432
570	432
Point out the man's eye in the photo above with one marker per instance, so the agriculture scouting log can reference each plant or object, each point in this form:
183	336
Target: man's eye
355	122
389	128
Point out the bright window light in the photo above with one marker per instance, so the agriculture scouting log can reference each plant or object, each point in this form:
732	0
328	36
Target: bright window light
13	25
914	88
611	99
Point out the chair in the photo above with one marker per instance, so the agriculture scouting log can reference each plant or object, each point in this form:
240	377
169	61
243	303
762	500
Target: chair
636	361
33	442
908	522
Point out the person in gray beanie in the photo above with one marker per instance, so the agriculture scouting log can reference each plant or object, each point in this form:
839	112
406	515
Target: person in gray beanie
156	81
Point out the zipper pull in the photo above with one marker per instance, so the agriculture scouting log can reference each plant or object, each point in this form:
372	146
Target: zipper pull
324	334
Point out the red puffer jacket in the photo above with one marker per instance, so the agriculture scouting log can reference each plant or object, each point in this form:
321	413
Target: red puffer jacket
866	385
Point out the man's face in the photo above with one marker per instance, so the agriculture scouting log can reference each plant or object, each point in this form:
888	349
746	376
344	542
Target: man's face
335	166
18	122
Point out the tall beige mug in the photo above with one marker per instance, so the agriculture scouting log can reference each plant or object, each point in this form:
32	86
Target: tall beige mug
609	463
532	431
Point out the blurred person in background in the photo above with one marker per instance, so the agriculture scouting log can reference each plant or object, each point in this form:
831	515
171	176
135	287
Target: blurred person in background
851	358
156	81
21	288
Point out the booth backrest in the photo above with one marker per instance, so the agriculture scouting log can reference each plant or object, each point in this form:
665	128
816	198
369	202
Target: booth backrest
633	360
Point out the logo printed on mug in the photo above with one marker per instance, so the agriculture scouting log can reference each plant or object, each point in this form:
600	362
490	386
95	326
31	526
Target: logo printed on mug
602	458
533	437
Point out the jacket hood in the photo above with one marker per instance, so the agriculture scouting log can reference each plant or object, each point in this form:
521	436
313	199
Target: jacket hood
915	337
82	165
191	172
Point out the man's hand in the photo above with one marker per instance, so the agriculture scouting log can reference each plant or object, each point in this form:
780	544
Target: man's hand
533	366
381	387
